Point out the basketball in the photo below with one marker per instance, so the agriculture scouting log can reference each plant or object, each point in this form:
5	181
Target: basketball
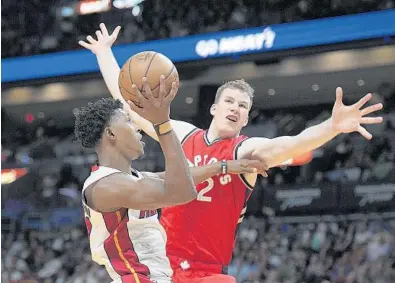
147	64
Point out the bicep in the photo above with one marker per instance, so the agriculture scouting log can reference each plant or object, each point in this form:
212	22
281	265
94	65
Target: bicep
121	190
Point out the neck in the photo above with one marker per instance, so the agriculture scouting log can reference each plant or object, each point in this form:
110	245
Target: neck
114	160
212	133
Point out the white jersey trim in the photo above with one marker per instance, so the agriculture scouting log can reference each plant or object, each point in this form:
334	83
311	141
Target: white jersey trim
147	235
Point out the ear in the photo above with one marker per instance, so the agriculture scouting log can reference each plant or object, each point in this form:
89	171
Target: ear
109	133
246	122
212	109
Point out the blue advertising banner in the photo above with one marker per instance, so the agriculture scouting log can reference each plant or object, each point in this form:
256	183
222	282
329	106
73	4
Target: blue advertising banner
367	197
296	199
212	45
329	198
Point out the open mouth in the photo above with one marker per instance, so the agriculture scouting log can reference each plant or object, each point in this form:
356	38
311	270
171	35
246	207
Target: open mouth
232	118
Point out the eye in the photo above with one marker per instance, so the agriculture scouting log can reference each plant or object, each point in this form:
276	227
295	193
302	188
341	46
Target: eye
243	106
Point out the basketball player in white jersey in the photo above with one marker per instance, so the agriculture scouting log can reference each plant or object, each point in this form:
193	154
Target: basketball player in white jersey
121	203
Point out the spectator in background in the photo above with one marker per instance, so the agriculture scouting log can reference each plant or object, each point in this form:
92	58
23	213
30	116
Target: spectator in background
67	178
68	186
380	246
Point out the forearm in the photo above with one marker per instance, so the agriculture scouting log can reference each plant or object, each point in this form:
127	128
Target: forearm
298	160
312	138
178	180
110	71
200	173
279	150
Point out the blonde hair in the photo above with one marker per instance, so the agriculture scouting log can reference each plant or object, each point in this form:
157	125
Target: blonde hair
241	85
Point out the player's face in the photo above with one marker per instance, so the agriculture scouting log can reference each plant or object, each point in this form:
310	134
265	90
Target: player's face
231	112
126	136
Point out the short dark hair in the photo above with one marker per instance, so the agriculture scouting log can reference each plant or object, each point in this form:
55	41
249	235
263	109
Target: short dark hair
241	85
91	120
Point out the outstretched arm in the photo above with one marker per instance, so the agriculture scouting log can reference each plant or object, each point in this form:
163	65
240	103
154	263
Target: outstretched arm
345	119
240	166
109	69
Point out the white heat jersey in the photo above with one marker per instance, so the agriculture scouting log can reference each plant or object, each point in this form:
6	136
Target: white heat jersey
129	243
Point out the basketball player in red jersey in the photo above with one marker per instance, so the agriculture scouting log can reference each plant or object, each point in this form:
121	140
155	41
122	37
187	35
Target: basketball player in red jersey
201	233
120	203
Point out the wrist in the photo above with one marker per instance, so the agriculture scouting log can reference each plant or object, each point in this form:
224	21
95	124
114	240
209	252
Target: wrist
224	167
160	121
215	168
332	129
163	128
103	51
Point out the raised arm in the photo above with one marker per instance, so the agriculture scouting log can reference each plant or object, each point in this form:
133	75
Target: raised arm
148	193
345	119
109	69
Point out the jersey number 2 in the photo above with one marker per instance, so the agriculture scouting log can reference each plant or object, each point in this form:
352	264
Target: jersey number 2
210	185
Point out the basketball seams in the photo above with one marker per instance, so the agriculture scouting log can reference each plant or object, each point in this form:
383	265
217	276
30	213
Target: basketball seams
129	71
135	102
122	71
159	66
121	86
149	65
168	75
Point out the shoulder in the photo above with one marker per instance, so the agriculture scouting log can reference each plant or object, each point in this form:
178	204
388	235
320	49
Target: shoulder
112	185
246	147
241	145
105	195
183	129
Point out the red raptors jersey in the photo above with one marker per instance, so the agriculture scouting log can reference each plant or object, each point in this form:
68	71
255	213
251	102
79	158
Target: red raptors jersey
204	230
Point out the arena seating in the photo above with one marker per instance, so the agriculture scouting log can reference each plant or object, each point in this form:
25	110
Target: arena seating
54	33
46	238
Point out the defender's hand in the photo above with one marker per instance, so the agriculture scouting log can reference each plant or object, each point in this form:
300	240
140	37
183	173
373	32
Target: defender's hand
245	166
347	119
155	110
104	40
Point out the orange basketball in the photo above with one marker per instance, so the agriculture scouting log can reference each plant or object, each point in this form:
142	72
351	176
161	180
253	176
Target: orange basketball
147	64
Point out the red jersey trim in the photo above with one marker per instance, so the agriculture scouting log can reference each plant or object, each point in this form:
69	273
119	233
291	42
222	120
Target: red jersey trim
189	135
243	179
88	225
121	253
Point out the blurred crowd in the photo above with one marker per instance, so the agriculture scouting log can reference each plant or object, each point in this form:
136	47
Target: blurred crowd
306	251
50	257
44	239
156	19
337	251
